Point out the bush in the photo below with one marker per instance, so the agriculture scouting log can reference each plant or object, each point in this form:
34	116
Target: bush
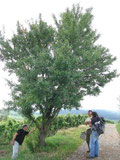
118	127
61	122
32	141
67	121
109	121
8	128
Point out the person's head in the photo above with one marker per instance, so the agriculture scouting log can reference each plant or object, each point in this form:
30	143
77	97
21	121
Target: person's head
89	113
25	127
94	114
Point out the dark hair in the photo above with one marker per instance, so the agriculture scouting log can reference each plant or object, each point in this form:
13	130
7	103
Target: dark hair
89	110
94	114
25	125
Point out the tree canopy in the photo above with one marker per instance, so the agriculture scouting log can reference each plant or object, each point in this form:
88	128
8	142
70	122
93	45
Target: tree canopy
55	66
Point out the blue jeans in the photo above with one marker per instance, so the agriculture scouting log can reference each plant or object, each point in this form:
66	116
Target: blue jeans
94	144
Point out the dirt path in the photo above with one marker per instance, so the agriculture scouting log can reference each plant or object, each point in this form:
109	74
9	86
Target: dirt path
109	146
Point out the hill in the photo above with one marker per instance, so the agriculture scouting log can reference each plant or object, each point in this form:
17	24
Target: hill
107	114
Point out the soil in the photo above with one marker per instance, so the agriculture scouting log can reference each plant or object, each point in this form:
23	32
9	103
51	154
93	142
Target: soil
109	146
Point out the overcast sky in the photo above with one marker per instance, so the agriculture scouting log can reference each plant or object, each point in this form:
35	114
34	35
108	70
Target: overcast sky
106	21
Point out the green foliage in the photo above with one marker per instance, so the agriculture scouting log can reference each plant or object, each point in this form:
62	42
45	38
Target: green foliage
4	114
118	127
58	146
55	67
64	122
109	121
8	129
61	122
32	142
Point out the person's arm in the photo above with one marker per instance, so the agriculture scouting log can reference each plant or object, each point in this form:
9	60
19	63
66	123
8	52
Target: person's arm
13	141
92	122
88	122
32	130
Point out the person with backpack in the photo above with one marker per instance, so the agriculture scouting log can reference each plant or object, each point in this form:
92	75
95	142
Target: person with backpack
97	129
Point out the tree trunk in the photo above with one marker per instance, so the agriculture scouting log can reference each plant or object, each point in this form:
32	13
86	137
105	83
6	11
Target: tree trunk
42	137
43	132
44	129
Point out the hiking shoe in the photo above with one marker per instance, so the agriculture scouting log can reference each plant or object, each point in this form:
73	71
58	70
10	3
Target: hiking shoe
88	157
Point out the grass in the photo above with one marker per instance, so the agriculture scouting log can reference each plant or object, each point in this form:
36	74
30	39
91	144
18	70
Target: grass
110	121
5	150
57	147
118	127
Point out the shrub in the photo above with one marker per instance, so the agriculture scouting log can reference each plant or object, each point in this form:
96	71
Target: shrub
32	141
118	127
8	128
109	121
61	122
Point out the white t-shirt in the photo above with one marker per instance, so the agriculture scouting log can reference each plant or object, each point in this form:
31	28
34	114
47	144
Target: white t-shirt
88	119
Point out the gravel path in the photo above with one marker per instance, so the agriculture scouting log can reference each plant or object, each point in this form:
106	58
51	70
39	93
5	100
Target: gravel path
109	146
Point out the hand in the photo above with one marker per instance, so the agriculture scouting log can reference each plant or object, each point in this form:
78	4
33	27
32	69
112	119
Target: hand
12	143
36	127
86	123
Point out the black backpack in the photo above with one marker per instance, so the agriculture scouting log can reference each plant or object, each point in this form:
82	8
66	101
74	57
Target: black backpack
100	126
